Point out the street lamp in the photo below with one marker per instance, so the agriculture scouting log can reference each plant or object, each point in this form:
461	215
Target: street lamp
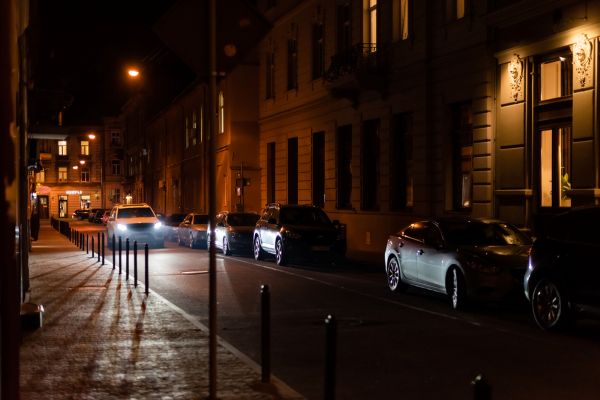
92	136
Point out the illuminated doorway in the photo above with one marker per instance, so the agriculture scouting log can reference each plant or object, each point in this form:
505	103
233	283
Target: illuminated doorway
555	167
63	202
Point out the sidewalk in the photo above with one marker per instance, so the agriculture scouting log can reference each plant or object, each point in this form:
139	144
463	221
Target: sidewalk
104	339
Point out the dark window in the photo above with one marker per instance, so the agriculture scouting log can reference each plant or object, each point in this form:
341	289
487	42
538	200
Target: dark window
270	75
344	167
318	169
116	167
200	219
292	58
401	177
462	160
271	172
293	170
369	165
318	50
344	27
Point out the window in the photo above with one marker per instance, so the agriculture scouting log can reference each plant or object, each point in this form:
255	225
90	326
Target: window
85	175
370	165
371	34
194	127
187	132
402	9
344	27
85	148
270	75
271	172
85	201
116	167
556	77
115	195
62	147
401	173
293	170
115	138
221	112
318	50
344	167
555	166
41	176
455	9
318	169
462	160
292	59
62	174
201	123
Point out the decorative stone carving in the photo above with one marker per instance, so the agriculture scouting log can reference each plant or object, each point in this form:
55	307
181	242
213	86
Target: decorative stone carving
515	77
582	61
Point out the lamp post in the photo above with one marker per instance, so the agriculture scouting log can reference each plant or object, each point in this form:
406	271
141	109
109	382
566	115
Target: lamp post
92	136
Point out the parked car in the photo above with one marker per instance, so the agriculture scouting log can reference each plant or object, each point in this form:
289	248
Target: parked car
192	230
92	214
561	282
233	232
105	216
300	231
460	257
136	222
171	226
81	214
96	216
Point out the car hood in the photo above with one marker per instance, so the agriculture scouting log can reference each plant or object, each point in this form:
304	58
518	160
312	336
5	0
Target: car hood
137	220
513	256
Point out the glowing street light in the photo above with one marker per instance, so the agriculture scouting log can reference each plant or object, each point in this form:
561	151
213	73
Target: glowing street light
92	136
133	72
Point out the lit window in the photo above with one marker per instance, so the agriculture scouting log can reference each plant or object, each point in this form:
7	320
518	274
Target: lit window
187	132
556	78
221	113
62	147
41	176
116	167
555	167
85	148
62	174
462	160
372	22
401	19
455	9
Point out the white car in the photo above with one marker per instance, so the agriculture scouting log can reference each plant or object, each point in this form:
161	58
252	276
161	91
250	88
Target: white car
138	222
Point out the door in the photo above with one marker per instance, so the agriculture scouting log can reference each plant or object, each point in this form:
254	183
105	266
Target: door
63	202
555	167
430	260
413	245
43	207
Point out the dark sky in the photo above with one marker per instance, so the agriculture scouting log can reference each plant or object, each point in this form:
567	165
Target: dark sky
83	49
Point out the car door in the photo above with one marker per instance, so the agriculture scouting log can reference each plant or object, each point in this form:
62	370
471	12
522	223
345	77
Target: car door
431	258
219	231
270	230
412	239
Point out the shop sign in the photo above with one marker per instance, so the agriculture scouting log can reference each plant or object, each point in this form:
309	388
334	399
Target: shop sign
73	192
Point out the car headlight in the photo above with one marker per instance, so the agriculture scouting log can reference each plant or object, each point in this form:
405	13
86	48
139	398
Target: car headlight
481	266
158	225
122	227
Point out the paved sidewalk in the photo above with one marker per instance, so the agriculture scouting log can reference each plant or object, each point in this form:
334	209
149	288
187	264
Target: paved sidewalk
104	339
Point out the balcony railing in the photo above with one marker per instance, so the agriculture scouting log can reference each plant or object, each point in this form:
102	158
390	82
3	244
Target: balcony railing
362	57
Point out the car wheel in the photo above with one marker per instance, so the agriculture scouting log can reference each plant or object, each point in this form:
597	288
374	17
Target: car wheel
549	305
191	243
226	250
394	278
457	290
258	252
280	256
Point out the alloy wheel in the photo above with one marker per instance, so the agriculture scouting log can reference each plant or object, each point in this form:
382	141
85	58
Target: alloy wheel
547	304
393	274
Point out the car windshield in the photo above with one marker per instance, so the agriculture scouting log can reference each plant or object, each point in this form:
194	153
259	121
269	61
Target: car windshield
242	219
175	218
303	216
200	219
470	233
134	212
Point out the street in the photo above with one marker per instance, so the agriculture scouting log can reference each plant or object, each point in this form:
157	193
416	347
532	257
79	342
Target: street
409	345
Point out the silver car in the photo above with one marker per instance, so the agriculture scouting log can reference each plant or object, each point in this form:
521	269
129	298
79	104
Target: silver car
192	231
233	232
460	257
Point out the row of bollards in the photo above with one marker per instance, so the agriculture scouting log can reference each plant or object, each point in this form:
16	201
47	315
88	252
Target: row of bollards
481	388
82	241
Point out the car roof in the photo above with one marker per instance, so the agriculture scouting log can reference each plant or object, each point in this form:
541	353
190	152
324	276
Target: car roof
135	205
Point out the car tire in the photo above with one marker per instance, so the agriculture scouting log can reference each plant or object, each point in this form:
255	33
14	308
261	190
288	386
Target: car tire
457	289
258	251
280	253
226	250
394	276
550	305
191	242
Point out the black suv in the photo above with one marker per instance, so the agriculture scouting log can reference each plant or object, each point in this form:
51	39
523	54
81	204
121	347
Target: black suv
562	278
298	231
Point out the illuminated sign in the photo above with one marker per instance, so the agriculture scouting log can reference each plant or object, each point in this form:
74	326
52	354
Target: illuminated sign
73	191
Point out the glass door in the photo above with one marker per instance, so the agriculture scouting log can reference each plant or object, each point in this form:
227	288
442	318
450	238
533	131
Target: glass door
555	167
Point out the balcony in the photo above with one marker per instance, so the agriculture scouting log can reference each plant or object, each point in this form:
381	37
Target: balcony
359	69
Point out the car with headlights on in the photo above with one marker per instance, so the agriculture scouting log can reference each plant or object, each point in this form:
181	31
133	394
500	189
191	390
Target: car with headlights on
233	232
192	231
298	231
562	278
138	222
461	257
171	226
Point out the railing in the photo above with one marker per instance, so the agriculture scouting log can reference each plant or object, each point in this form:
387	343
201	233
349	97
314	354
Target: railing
360	57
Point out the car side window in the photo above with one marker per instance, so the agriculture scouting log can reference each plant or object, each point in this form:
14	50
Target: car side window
433	236
415	232
187	219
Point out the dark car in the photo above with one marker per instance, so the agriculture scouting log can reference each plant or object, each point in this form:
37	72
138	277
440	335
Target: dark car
233	231
81	214
561	281
461	257
92	214
171	226
302	231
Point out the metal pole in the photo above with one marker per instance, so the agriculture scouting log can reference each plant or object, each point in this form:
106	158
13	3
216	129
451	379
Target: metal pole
265	331
87	243
146	270
120	252
127	259
481	388
330	350
212	265
93	246
98	246
135	277
102	248
113	250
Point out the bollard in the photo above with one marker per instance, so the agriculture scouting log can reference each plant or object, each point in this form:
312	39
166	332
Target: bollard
113	250
102	248
330	350
120	252
82	242
146	277
87	243
98	246
75	237
481	388
127	259
135	263
265	333
93	246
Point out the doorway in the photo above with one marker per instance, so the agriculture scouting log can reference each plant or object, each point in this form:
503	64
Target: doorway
555	167
63	202
43	207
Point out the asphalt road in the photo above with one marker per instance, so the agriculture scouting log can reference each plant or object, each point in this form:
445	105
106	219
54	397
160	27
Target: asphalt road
404	346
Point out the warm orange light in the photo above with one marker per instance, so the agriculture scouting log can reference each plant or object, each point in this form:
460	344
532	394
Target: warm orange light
82	162
92	136
75	167
133	72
